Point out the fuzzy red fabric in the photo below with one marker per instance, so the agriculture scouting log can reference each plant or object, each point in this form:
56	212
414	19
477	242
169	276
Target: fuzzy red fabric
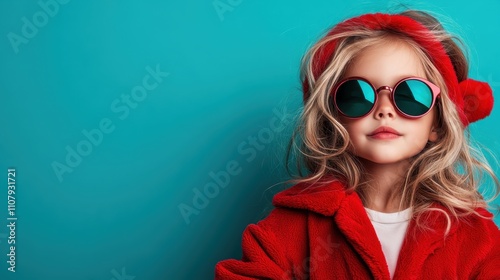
434	49
321	232
478	98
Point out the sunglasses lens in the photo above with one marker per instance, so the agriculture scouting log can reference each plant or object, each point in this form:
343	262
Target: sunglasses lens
355	98
413	97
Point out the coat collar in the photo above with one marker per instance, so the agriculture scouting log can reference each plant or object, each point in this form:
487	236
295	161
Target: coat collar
322	197
347	210
331	199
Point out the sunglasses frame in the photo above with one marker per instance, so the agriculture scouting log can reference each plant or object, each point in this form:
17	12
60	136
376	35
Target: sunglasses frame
436	91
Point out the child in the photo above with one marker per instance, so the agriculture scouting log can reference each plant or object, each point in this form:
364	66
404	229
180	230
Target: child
393	186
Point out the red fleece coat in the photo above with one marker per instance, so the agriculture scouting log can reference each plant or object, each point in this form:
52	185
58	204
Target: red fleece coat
325	233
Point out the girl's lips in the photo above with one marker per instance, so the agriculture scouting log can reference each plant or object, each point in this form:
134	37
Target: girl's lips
384	135
384	132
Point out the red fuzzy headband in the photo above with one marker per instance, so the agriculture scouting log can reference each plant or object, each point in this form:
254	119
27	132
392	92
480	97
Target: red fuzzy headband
474	99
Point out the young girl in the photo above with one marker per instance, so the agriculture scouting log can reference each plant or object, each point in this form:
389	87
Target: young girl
392	190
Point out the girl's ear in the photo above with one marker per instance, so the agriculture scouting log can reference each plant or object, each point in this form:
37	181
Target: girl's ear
433	136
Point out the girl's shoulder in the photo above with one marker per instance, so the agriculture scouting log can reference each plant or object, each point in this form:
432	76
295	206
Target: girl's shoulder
479	224
482	227
474	236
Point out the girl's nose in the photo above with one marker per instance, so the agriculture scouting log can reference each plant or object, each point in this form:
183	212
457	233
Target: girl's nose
384	107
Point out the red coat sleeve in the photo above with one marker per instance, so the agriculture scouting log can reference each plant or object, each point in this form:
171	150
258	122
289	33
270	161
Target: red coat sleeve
264	257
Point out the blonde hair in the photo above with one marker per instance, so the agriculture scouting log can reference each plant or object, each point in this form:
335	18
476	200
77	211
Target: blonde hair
447	171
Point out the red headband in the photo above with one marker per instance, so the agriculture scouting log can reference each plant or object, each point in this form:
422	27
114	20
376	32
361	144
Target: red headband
473	99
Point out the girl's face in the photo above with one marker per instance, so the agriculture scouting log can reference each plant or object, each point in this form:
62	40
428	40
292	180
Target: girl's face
385	65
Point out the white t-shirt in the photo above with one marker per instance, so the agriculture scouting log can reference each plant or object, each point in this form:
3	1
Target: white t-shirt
391	230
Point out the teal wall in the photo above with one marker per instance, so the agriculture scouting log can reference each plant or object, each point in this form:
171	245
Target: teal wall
116	113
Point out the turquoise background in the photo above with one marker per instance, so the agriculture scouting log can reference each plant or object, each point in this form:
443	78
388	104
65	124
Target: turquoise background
116	214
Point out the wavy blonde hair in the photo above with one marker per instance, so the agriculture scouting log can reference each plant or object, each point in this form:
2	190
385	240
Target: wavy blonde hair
447	171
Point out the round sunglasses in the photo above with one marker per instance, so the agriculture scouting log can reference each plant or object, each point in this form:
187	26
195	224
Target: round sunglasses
412	97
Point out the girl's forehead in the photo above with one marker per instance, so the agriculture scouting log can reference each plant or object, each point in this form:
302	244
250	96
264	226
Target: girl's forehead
386	62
